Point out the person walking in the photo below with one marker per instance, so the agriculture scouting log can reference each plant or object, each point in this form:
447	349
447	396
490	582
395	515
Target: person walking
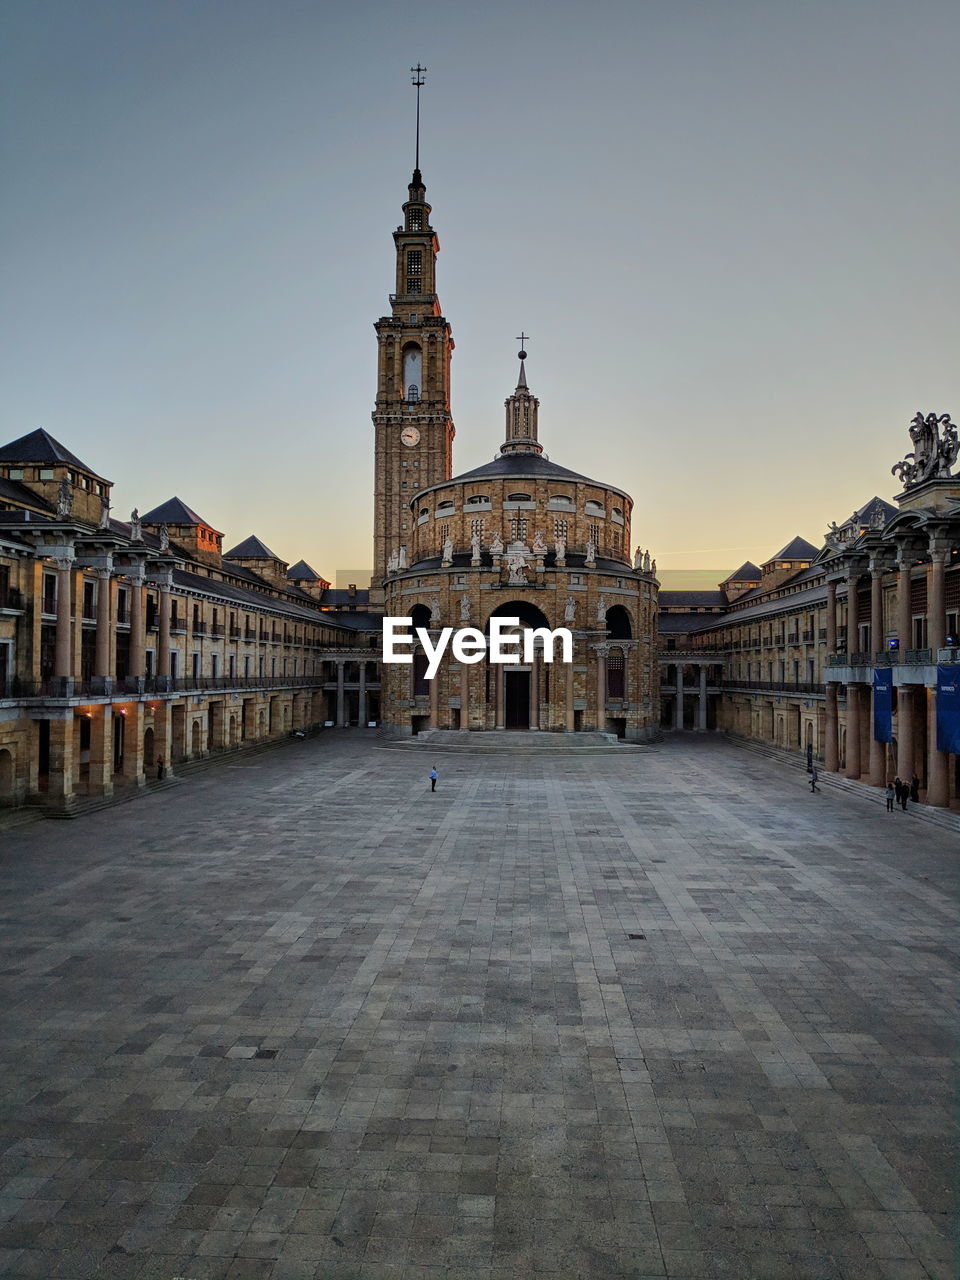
898	789
889	795
915	789
433	778
159	768
813	779
904	795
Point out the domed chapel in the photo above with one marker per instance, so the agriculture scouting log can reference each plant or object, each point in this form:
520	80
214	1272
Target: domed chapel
519	537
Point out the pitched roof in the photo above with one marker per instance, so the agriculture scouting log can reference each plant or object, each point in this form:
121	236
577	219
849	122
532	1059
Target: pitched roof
14	491
173	511
303	570
875	506
748	572
691	599
798	549
40	446
250	549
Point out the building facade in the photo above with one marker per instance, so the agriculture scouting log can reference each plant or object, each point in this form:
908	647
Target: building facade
849	650
128	644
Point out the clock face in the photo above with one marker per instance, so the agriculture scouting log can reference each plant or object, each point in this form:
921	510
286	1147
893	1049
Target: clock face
410	436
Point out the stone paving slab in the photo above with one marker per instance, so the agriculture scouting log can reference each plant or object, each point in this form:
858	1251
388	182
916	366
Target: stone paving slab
667	1015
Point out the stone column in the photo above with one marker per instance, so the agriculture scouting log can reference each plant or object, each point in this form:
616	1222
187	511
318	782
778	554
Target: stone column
853	630
63	759
936	607
571	714
878	750
679	715
112	629
163	645
601	652
62	664
905	748
535	693
341	699
464	696
104	625
138	660
434	686
362	696
852	769
501	709
100	779
702	703
904	610
938	783
831	617
876	608
133	745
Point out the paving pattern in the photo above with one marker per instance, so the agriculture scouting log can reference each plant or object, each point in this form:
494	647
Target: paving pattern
668	1015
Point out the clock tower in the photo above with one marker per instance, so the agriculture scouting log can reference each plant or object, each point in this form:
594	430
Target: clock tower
412	423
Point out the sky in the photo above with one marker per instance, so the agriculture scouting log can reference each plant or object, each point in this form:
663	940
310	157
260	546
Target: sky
729	226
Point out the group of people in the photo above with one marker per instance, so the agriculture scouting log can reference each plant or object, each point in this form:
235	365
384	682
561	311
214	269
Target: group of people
899	792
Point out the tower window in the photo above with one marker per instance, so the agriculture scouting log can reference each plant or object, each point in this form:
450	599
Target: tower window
415	219
413	393
414	270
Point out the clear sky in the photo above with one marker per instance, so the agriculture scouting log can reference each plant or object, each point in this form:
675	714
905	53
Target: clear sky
729	225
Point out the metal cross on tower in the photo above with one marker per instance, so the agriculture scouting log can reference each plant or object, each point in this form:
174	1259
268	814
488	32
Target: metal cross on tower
418	81
522	353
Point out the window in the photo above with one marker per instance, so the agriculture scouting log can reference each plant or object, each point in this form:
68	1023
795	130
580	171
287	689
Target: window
49	593
413	393
476	499
246	667
16	473
518	529
476	529
444	506
618	511
195	663
560	528
89	609
149	662
594	509
45	473
122	597
414	270
561	499
174	663
415	220
518	497
595	534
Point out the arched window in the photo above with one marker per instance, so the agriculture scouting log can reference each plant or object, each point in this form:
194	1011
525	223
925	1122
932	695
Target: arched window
561	499
617	511
476	499
518	497
595	509
444	506
412	373
413	393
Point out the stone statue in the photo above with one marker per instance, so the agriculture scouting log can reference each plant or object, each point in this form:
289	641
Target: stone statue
164	538
602	609
464	608
496	545
104	512
637	560
447	552
935	449
539	546
833	537
517	564
570	610
560	547
646	562
64	499
136	530
653	567
591	552
434	605
392	562
475	547
401	559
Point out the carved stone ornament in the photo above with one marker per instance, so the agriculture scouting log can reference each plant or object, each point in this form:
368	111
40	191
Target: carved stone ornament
560	550
475	547
136	529
402	558
637	559
935	449
591	557
570	610
104	512
602	609
64	499
496	545
539	546
447	550
517	565
434	606
62	562
464	608
164	538
392	562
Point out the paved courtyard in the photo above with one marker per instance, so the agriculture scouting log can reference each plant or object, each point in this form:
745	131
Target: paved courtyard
666	1014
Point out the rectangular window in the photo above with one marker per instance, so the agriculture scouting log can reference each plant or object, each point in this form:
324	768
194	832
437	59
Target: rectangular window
149	659
273	666
560	528
214	665
595	534
195	665
174	663
246	667
414	270
518	529
233	666
49	593
122	605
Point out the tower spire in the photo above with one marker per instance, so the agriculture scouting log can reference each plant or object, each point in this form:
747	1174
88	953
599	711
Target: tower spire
418	73
522	408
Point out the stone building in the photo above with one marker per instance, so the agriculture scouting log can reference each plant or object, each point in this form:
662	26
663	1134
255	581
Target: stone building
850	649
518	537
122	643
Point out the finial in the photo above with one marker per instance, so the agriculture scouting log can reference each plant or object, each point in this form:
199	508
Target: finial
522	380
417	81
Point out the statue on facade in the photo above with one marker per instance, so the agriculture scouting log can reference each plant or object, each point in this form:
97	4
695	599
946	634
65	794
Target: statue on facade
104	522
392	563
646	562
434	606
539	546
496	545
464	608
136	528
637	560
560	550
834	535
602	609
591	557
935	449
447	553
164	538
64	499
570	610
517	565
653	567
401	559
475	547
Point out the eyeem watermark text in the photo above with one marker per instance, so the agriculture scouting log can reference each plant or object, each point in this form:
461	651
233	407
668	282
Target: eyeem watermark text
469	645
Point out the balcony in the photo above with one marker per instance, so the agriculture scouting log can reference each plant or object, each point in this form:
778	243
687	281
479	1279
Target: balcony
917	657
250	634
178	625
947	656
731	684
216	629
11	598
234	633
808	637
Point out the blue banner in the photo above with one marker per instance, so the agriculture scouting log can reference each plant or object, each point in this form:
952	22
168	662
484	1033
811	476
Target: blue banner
948	709
882	704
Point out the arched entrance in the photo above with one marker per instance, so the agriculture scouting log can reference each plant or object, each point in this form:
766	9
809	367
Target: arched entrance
148	759
195	738
6	777
518	687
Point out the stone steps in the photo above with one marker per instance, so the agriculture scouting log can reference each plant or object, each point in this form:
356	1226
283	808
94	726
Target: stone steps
515	742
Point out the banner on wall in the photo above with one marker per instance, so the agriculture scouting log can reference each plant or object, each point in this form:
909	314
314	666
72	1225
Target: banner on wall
948	709
882	704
